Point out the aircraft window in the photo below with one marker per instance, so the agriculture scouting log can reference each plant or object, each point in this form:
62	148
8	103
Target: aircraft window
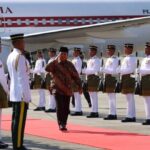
19	21
51	21
27	22
113	19
9	22
59	21
67	21
75	21
91	21
36	21
98	20
83	21
43	21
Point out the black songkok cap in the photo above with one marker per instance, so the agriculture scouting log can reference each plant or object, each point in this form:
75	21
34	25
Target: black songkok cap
17	36
111	47
128	45
63	49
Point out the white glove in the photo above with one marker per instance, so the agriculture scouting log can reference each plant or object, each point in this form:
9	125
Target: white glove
118	70
137	70
101	70
84	70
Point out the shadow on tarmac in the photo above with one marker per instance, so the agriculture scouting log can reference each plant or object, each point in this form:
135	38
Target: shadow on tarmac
35	145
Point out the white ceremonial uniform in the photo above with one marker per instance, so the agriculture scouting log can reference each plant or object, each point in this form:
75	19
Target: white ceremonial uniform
77	62
145	70
3	82
40	70
110	68
52	102
93	67
19	87
128	66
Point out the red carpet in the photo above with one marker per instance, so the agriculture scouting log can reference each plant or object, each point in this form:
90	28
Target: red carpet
85	135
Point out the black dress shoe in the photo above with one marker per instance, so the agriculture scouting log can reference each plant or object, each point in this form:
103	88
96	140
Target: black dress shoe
50	110
62	127
129	119
146	122
3	145
39	109
111	117
77	113
93	115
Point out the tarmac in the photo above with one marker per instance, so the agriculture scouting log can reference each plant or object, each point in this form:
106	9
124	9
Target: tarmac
38	143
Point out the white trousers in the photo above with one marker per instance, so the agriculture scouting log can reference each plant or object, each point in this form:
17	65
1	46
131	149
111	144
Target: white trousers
130	105
0	124
112	103
94	101
41	98
52	102
147	106
78	105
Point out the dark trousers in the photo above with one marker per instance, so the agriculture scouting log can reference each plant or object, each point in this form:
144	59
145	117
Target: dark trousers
18	123
62	108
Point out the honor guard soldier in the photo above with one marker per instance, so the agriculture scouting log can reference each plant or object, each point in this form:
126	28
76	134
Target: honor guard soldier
110	81
64	74
128	67
93	66
39	77
145	82
52	102
19	90
77	62
4	92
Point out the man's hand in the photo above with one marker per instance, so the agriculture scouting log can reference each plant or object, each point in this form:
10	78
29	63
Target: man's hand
57	59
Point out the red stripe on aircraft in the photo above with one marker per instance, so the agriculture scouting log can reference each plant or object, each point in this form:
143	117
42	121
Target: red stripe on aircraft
57	21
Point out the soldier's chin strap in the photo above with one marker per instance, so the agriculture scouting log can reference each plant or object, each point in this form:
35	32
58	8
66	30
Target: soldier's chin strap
50	116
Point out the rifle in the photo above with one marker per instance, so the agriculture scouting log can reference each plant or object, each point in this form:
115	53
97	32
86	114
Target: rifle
137	84
102	80
118	84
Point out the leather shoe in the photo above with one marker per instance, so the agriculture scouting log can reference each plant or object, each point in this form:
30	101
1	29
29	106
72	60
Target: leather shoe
62	127
50	110
111	117
77	113
39	109
129	119
3	145
146	122
93	115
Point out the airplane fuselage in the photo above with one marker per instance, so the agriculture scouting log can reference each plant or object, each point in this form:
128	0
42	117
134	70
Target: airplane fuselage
35	16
